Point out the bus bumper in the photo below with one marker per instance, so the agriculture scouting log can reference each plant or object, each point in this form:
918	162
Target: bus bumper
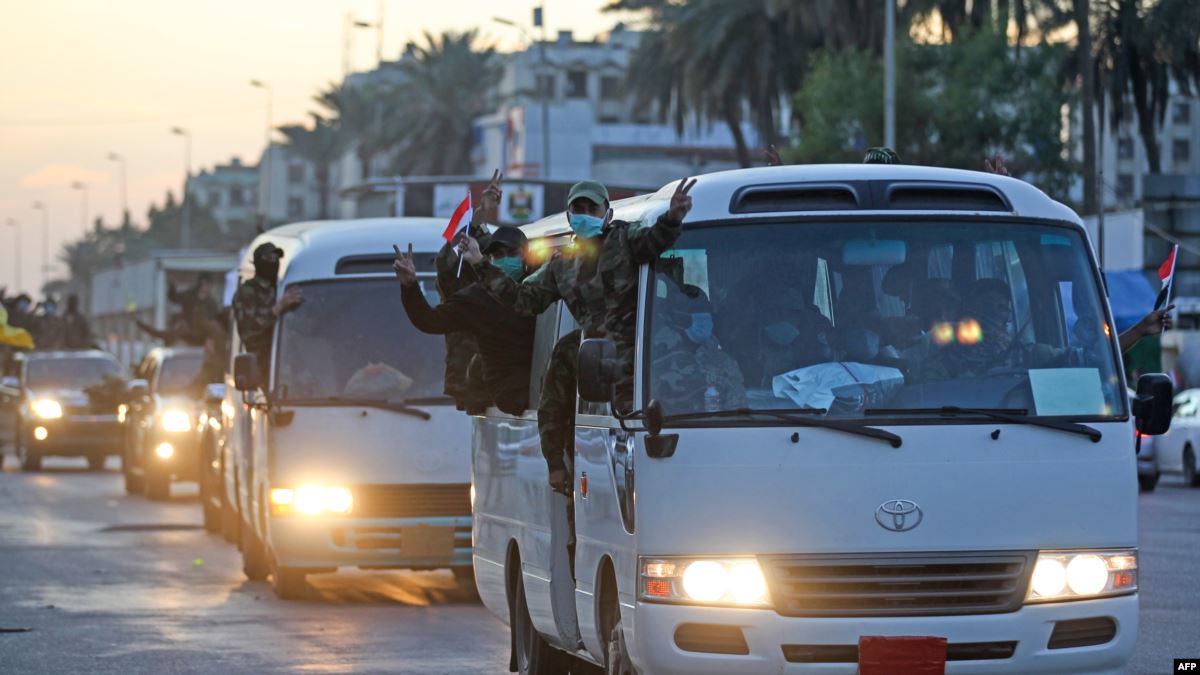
371	543
779	644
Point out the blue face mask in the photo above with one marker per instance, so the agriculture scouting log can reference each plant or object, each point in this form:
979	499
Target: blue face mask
586	226
512	266
701	329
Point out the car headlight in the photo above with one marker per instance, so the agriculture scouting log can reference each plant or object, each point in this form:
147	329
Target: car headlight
46	408
176	421
736	582
122	413
311	500
1078	575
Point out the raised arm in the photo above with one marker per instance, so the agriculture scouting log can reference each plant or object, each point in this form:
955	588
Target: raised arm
528	298
647	243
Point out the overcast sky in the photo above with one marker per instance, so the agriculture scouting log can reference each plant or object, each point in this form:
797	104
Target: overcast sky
83	78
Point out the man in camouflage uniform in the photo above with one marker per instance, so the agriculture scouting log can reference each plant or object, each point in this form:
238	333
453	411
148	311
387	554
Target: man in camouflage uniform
462	347
690	372
255	309
597	277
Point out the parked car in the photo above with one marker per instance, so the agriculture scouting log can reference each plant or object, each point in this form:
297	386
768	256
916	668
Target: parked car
1179	449
64	403
160	420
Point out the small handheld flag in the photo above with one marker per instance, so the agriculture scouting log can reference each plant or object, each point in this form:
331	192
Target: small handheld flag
1166	274
460	219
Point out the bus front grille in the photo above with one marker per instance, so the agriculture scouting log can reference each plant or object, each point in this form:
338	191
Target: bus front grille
412	501
898	585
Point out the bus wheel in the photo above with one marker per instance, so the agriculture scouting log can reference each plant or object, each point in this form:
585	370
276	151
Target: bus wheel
254	559
616	652
534	655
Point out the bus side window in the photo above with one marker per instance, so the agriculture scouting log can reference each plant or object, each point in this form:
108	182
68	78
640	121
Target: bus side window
545	334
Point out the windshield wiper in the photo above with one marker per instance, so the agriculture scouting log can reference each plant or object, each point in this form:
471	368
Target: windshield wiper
1013	415
384	404
801	417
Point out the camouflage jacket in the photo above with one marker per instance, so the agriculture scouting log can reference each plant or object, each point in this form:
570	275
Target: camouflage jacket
598	279
682	371
461	347
252	305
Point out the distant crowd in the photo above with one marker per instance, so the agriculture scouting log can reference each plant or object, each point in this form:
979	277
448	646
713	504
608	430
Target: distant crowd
51	328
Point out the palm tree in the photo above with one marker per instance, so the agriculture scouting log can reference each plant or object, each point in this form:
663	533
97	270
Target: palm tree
320	145
359	113
1141	49
445	86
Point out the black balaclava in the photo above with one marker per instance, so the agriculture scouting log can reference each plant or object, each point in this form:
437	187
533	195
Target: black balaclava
263	268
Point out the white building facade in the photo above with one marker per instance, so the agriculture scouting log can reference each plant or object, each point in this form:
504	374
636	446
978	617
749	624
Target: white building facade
230	191
565	116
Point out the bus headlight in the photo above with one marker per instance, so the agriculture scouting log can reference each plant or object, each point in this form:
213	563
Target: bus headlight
46	408
176	421
734	582
1079	575
311	500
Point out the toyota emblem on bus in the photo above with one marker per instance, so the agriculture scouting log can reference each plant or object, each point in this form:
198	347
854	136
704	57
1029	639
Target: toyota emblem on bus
898	515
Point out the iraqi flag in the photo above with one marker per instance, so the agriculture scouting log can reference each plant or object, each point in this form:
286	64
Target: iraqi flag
460	219
1166	274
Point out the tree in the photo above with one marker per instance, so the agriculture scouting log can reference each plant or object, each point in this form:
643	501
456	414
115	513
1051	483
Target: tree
964	101
1141	48
359	113
447	84
320	145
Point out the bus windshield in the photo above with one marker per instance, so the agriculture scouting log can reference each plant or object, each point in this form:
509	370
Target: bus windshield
351	340
853	319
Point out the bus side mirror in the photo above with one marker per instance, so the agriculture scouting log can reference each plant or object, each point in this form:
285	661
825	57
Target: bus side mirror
597	370
1152	405
245	372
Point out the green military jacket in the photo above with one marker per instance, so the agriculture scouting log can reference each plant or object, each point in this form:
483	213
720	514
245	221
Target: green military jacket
598	280
682	371
252	310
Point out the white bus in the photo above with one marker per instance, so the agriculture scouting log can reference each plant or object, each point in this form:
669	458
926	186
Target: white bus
930	438
345	453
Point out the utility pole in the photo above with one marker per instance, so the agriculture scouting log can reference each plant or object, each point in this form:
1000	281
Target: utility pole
889	76
265	215
82	187
16	251
185	231
114	157
39	206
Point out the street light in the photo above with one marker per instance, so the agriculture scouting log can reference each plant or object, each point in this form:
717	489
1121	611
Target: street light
82	187
16	250
348	27
185	231
114	157
39	206
543	95
265	201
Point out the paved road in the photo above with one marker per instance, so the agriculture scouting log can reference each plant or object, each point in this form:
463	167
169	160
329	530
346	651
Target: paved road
114	584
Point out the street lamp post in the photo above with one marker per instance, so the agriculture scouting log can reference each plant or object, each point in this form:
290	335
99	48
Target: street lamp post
889	75
82	187
114	157
16	251
265	213
543	95
185	231
45	241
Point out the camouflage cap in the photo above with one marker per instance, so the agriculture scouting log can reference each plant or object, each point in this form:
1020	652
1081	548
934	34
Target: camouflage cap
592	190
881	155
